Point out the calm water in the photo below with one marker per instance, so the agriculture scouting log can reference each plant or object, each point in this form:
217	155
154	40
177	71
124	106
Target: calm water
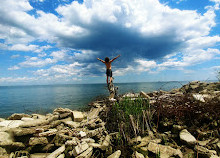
43	99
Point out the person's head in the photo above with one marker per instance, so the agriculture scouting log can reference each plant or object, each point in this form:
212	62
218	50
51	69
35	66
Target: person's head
107	59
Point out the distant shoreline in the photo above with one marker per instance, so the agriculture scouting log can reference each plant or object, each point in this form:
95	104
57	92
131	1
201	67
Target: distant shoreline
62	84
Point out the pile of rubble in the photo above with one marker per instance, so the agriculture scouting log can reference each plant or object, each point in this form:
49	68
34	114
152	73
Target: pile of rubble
65	133
174	137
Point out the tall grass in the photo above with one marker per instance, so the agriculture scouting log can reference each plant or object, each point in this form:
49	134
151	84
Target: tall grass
130	117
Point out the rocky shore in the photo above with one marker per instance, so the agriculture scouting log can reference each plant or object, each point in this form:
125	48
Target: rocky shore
184	123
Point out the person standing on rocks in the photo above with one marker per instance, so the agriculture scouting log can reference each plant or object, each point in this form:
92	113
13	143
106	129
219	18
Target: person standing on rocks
107	63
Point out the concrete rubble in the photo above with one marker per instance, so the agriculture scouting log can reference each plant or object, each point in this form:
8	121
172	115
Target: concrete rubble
67	133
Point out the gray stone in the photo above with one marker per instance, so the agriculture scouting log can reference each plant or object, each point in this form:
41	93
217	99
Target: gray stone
187	137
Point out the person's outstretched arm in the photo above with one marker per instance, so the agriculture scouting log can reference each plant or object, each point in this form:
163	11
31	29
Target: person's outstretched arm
115	58
101	60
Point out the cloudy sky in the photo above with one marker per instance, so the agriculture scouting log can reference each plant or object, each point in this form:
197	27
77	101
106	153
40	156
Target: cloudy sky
58	41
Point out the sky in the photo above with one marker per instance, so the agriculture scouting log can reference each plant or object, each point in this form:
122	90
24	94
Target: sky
59	41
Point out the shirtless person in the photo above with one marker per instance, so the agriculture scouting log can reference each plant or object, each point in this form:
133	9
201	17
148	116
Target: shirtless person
107	63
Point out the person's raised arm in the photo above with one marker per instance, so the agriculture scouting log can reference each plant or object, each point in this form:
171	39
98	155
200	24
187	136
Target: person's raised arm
101	60
115	58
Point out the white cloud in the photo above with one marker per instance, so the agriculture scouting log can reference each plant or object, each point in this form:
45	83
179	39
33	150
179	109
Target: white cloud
22	47
14	68
144	29
60	71
36	62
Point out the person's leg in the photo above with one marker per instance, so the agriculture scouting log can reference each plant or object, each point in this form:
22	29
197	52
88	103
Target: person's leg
110	79
110	76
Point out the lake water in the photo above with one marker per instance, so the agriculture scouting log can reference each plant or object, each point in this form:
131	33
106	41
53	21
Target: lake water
45	98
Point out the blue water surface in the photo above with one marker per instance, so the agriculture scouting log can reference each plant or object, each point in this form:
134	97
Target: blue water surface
45	98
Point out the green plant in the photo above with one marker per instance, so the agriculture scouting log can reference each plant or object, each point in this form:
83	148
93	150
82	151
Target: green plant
218	75
129	117
158	154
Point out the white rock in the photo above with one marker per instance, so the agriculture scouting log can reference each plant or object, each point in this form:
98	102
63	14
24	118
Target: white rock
187	137
82	134
116	154
26	119
11	123
201	97
77	116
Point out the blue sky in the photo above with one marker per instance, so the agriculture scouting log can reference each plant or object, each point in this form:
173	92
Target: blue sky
58	41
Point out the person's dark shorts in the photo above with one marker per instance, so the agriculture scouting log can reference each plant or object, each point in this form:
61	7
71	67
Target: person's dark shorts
109	72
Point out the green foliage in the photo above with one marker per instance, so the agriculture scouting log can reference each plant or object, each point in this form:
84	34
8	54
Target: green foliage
122	111
132	107
158	154
218	75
